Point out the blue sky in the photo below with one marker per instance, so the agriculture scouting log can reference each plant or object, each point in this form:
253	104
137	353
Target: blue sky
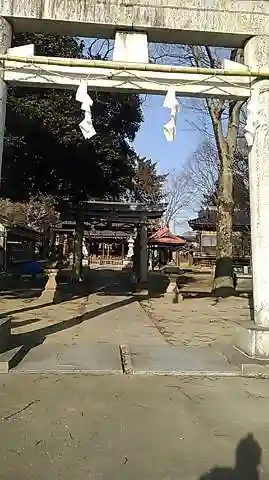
150	141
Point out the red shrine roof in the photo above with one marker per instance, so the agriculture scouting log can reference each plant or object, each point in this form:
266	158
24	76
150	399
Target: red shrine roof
163	236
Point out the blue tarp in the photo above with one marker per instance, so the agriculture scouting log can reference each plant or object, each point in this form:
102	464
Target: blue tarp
32	268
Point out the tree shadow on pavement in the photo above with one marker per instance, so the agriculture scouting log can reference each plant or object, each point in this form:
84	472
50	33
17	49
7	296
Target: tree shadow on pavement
66	290
247	463
18	287
33	337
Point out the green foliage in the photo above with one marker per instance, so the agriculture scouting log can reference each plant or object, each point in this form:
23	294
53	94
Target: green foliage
44	148
148	184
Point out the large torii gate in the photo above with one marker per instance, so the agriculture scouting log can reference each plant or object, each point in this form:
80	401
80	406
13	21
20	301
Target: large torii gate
205	22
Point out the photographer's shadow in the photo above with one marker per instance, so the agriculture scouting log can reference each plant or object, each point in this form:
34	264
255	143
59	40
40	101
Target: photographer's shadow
247	463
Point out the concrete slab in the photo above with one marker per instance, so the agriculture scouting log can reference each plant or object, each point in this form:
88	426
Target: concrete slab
10	358
99	359
180	361
78	427
248	366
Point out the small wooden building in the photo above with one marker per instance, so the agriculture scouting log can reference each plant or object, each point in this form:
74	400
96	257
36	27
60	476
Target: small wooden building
163	244
205	227
17	243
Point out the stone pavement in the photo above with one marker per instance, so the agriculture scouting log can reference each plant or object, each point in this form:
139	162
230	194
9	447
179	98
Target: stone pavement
94	359
82	333
85	332
66	427
108	359
102	317
180	361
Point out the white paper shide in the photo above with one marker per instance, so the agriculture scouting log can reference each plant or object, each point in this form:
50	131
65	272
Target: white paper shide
82	96
170	102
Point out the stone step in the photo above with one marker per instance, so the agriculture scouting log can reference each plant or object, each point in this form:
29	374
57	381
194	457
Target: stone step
95	359
11	358
144	360
180	360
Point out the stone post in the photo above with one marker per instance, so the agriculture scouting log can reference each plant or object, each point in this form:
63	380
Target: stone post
48	294
143	252
65	244
255	340
5	43
129	259
85	253
130	252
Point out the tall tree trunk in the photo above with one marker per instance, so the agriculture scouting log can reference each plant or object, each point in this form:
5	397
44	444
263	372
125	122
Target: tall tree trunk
223	284
226	144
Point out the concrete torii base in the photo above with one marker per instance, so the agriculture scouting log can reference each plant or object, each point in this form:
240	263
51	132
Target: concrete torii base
253	341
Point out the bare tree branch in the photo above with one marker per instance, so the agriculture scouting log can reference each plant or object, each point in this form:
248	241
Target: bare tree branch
225	121
177	195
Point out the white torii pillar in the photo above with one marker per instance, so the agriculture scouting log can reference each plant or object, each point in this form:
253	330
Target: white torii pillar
5	43
254	341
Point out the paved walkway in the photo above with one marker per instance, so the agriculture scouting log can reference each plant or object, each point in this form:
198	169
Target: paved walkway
98	318
77	427
85	332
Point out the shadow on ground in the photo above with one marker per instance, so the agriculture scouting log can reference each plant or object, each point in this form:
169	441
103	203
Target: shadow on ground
105	282
247	463
67	290
38	336
191	284
15	286
188	282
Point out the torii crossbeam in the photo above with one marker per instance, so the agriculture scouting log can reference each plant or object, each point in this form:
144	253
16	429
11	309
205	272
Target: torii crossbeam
101	75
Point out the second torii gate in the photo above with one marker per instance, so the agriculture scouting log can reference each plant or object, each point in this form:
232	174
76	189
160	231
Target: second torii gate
231	82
